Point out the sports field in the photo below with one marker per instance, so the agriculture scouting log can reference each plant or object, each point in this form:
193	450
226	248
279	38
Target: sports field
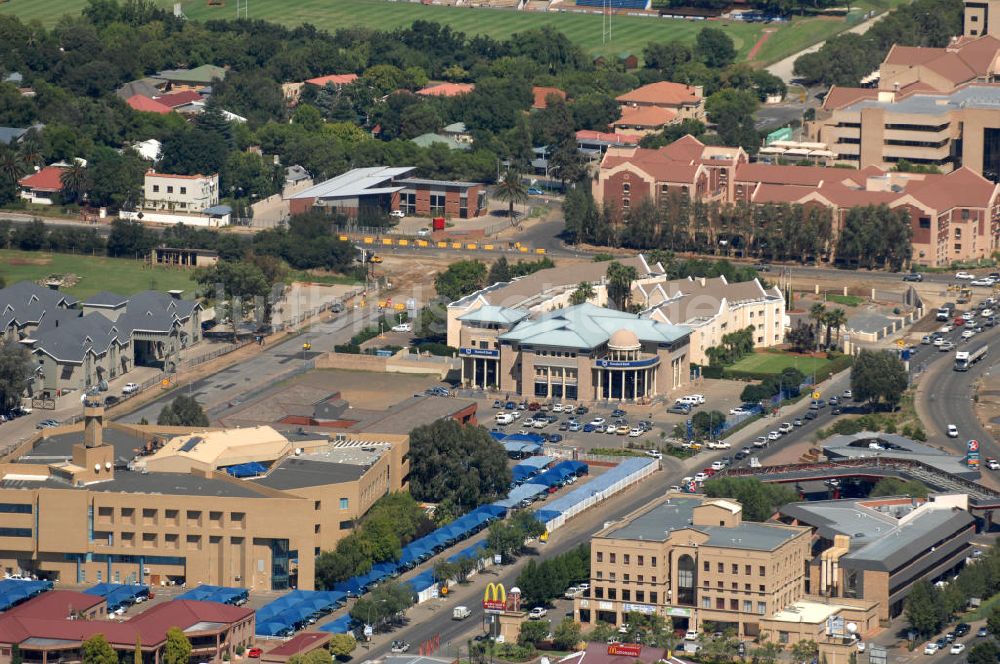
629	34
94	273
774	363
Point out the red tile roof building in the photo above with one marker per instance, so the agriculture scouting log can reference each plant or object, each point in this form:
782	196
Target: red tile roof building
954	216
336	80
42	187
213	629
147	105
674	102
177	99
446	89
541	94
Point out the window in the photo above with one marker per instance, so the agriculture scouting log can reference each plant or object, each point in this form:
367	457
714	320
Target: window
734	605
705	566
652	561
156	188
747	606
600	556
627	558
626	595
746	587
194	541
612	576
736	568
686	581
626	188
15	532
760	588
612	593
706	602
15	508
720	568
746	571
599	592
170	190
344	503
184	190
626	203
720	603
316	529
761	608
600	574
734	586
965	215
149	540
639	579
437	204
640	595
719	585
653	597
346	525
958	233
612	558
763	571
783	638
924	222
640	561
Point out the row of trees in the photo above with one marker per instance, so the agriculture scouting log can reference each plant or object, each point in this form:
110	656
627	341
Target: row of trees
759	500
787	383
392	522
467	276
176	650
872	236
542	582
385	605
846	58
734	346
878	376
16	370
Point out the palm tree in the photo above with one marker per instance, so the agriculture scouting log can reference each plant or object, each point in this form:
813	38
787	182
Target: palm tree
512	190
816	312
29	148
11	167
584	291
620	278
75	182
835	320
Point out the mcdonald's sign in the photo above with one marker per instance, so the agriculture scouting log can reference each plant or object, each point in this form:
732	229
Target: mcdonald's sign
625	649
495	598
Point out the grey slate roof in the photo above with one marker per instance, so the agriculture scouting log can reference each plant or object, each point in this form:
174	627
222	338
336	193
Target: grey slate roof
10	135
357	182
656	524
489	313
880	540
26	303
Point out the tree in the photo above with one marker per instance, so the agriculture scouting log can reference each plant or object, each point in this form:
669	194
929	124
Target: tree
97	650
462	464
177	649
732	111
878	376
833	320
507	538
985	652
620	279
993	621
183	411
805	651
817	311
893	486
713	47
460	279
802	337
75	182
923	608
342	645
759	500
130	239
16	369
137	653
15	655
511	189
583	292
499	271
566	635
532	632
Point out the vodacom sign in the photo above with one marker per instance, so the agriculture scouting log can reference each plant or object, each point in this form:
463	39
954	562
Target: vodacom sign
495	598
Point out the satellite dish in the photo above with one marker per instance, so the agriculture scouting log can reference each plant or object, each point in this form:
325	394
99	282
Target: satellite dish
852	627
107	465
97	467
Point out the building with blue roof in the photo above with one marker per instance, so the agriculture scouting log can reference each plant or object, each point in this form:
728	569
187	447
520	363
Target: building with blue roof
582	352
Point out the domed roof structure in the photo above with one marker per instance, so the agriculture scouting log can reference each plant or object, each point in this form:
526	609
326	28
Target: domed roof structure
624	340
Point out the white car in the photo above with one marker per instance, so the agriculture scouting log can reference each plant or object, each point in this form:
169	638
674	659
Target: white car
598	421
403	327
952	431
939	341
537	613
700	477
740	410
931	648
130	388
696	399
717	445
691	635
397	214
718	465
656	454
987	313
423	232
957	648
635	432
993	464
557	408
528	422
967	276
968	333
981	282
504	418
541	423
847	394
786	427
945	329
774	435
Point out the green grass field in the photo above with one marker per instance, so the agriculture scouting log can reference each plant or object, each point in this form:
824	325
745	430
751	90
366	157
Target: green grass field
95	273
774	363
630	34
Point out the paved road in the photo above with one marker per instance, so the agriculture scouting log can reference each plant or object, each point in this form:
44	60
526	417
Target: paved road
783	68
280	360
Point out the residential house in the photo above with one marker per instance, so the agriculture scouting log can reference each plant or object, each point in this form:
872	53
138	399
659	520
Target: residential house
446	89
337	81
653	106
43	186
541	96
429	139
147	105
190	78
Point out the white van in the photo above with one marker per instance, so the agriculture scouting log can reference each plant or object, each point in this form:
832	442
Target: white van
504	418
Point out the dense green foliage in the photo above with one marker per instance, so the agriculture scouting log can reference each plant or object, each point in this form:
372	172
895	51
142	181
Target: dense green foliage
734	346
788	381
16	371
460	279
183	411
97	650
508	538
878	377
845	59
460	466
384	605
893	486
759	500
392	522
544	581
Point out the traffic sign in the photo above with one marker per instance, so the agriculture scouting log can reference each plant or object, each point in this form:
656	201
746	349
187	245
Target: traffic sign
973	445
901	343
816	394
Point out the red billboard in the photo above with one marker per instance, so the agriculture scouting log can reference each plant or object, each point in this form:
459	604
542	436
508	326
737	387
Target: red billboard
625	649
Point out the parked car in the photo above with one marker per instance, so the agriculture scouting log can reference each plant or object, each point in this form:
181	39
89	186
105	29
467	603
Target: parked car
399	646
403	327
130	388
957	648
423	232
680	408
111	400
961	629
931	648
254	653
537	613
535	191
691	635
982	632
397	214
47	424
965	276
913	276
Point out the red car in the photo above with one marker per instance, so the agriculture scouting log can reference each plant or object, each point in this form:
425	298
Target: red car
959	321
709	471
254	653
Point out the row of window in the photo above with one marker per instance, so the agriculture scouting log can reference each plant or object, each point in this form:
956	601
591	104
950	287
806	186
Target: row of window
15	532
15	508
719	585
170	189
626	559
171	517
734	568
734	605
626	578
640	595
